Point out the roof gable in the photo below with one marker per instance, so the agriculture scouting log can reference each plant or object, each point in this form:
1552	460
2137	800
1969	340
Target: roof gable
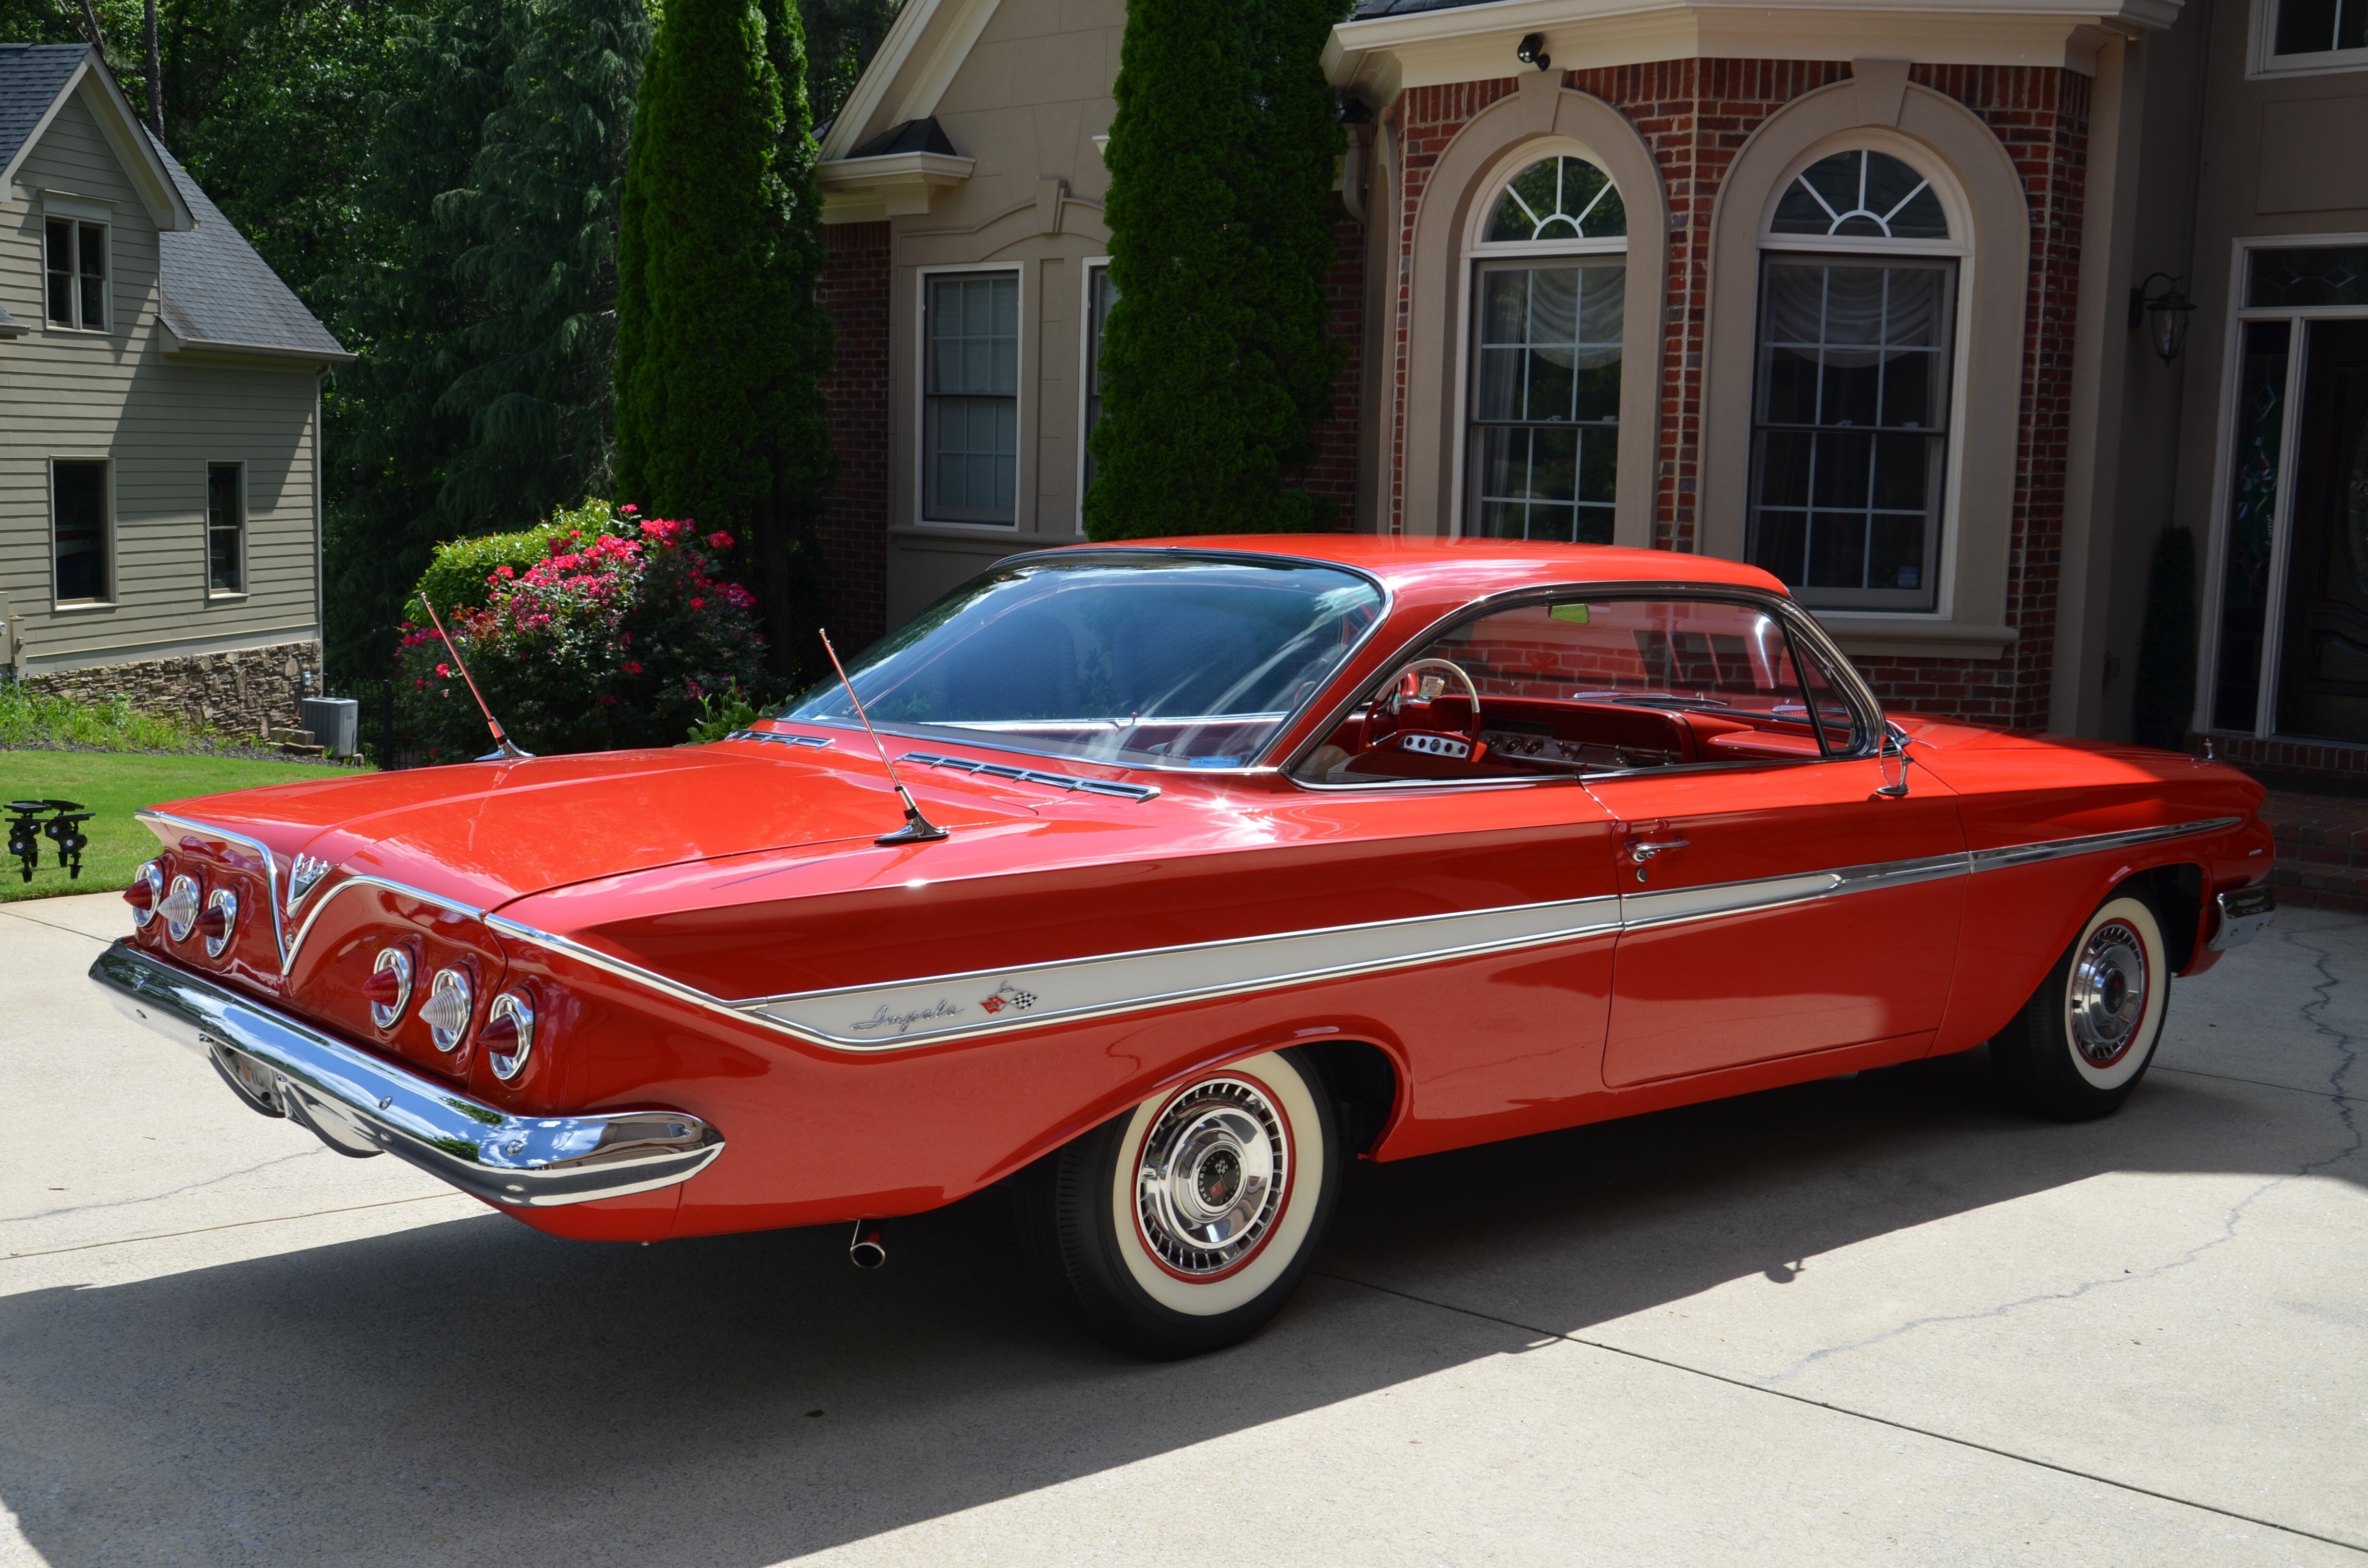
35	81
216	292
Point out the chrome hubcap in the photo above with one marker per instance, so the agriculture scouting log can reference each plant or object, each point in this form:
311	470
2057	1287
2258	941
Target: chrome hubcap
1211	1180
2109	994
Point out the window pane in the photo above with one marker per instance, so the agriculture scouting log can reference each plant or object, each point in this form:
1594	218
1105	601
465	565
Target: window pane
2321	275
974	415
2313	27
1101	295
225	526
60	273
78	518
1558	198
1862	193
1852	415
1544	451
2253	512
92	256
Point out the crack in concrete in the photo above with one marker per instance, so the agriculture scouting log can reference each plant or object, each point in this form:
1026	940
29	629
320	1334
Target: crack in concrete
2343	1103
159	1197
236	1225
53	926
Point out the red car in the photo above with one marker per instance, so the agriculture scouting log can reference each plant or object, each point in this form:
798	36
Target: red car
1228	861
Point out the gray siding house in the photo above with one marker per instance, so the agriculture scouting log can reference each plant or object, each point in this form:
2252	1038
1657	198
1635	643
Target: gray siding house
160	420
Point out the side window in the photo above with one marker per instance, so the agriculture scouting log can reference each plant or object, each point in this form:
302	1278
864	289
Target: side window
970	395
1600	685
78	551
225	529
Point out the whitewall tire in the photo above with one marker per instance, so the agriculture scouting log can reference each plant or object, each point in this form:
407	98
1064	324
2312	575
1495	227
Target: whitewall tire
2087	1035
1182	1226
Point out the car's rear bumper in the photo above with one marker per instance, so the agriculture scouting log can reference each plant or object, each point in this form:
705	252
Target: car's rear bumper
361	1106
2242	914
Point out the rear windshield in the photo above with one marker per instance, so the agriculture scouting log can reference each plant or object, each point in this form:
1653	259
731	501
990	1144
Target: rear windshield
1146	661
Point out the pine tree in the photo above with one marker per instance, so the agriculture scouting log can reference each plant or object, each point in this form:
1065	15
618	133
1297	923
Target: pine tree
1216	365
720	343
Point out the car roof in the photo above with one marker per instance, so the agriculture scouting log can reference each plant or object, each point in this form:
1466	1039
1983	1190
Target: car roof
1425	571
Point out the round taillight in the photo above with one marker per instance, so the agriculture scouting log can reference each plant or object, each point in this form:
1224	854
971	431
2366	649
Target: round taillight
446	1011
508	1034
389	986
220	919
179	908
146	891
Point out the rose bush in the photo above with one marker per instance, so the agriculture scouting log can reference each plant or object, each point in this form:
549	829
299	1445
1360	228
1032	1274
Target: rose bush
598	630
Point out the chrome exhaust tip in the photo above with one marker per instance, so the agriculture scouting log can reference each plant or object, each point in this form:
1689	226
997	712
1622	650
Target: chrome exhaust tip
869	1249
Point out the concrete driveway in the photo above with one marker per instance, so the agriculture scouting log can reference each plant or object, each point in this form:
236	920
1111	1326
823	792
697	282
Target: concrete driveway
1872	1319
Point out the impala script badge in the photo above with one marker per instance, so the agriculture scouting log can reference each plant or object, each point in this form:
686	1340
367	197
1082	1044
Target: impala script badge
898	1023
306	875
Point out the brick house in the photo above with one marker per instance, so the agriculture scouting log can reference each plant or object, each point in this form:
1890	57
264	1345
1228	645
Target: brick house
1876	298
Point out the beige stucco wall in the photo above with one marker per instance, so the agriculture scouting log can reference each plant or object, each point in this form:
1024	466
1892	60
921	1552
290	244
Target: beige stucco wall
160	419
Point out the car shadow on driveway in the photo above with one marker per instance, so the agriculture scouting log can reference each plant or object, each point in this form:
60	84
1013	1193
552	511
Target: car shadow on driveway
472	1391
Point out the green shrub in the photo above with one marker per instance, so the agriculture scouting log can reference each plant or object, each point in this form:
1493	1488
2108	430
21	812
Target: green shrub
458	576
32	721
617	636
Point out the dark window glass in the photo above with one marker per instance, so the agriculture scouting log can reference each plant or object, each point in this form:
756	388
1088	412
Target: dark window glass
78	522
2318	275
971	466
61	272
1558	198
2253	516
225	529
1863	194
2316	26
1850	444
1101	294
1545	442
92	258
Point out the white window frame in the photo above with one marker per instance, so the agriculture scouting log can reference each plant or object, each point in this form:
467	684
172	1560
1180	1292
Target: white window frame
245	529
1477	250
79	212
2224	472
2264	60
1086	271
107	524
1958	246
1019	274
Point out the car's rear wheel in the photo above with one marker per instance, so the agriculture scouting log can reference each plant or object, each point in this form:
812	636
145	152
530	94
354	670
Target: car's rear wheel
1182	1226
2084	1039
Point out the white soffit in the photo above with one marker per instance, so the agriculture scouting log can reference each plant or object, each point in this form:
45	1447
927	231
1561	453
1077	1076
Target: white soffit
1381	57
916	63
892	185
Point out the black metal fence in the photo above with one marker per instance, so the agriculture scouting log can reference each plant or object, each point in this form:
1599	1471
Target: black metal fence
378	733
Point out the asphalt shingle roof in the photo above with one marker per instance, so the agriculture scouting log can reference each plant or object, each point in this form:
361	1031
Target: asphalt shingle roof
216	290
31	77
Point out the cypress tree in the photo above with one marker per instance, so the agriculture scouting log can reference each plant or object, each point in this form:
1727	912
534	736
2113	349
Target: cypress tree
1216	363
720	343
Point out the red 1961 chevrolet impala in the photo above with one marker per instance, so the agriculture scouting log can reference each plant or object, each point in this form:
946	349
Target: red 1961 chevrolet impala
1221	863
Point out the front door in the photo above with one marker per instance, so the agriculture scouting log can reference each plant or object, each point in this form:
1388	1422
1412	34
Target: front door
2323	666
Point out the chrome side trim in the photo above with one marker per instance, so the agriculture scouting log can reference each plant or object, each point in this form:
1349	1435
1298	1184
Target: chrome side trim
2093	844
328	897
955	1006
359	1105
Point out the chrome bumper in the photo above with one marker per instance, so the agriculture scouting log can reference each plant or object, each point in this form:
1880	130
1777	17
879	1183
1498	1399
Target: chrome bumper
361	1106
2244	913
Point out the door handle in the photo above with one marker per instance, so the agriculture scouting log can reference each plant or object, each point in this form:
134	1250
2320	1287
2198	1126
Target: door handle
1643	852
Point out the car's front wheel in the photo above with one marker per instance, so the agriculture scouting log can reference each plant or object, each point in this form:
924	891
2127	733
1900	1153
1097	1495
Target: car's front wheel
2084	1039
1184	1225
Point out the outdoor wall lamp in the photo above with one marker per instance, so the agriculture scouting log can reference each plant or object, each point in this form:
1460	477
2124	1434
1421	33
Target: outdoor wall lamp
2166	314
1532	51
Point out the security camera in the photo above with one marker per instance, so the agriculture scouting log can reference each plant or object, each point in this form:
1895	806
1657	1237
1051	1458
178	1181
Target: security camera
1532	51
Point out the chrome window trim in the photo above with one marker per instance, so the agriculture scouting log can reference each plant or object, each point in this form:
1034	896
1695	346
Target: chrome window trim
1795	619
1257	762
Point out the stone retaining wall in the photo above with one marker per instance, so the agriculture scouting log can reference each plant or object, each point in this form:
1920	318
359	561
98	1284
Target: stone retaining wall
251	692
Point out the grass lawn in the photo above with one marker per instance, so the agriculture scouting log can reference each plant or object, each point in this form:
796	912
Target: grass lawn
113	785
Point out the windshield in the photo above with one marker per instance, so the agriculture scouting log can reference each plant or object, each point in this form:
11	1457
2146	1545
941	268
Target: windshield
1145	661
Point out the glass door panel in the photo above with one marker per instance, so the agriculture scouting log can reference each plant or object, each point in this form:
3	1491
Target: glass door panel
2323	660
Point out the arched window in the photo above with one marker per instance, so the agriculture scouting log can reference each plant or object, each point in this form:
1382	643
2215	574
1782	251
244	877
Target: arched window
1855	367
1542	450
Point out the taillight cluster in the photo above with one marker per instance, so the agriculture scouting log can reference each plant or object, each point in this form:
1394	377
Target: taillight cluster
184	907
506	1037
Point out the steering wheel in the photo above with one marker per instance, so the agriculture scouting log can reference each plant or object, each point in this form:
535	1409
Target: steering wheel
1409	686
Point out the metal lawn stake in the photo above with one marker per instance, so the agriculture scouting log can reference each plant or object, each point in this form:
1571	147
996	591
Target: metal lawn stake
26	831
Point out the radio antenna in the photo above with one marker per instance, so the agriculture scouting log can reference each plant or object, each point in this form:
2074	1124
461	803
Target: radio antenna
505	749
917	829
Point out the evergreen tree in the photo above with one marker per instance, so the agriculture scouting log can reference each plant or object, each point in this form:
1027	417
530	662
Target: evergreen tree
1216	364
720	343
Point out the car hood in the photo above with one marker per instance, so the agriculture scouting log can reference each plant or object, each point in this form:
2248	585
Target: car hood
485	833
